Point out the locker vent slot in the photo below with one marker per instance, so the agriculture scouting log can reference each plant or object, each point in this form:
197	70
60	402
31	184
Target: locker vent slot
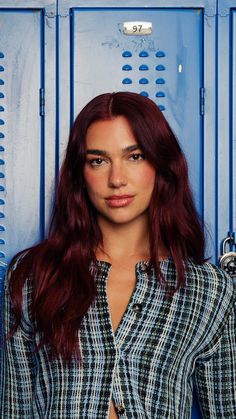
2	174
151	68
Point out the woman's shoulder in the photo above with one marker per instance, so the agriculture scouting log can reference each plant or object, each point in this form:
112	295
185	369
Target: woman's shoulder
17	275
210	280
213	292
17	259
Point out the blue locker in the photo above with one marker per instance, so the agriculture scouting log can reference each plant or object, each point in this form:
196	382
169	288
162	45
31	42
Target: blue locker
166	66
226	139
27	160
20	131
174	65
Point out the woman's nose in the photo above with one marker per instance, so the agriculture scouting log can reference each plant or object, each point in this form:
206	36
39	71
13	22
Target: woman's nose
117	176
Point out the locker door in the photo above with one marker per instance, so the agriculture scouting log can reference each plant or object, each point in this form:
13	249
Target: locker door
166	66
26	160
226	162
174	66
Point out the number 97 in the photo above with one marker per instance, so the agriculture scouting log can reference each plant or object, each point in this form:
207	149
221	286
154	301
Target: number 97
137	28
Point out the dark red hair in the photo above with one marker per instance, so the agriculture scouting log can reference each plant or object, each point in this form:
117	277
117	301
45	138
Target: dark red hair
63	284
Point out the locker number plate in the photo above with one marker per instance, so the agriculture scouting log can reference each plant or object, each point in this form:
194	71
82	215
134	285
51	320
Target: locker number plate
137	28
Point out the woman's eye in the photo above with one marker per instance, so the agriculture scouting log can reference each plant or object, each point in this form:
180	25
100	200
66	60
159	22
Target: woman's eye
136	156
96	162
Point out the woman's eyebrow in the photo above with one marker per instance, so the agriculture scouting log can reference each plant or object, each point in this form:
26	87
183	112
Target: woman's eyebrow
106	154
97	152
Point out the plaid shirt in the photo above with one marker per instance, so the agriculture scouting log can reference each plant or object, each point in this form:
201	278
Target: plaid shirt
162	348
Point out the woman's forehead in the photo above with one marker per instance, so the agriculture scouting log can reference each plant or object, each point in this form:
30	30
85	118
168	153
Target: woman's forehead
109	134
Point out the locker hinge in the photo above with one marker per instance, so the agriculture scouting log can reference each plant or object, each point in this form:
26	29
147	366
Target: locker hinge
202	101
41	102
51	10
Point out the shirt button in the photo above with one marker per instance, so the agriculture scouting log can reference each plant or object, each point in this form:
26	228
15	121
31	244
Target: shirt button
143	268
120	409
137	307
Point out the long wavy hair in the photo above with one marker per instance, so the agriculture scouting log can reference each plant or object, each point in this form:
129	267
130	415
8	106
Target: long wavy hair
60	267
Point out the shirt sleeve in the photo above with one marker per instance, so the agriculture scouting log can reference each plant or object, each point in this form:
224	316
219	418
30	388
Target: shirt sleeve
215	378
17	362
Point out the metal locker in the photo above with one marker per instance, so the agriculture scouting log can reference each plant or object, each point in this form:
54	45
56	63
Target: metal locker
27	161
169	66
165	65
174	65
226	124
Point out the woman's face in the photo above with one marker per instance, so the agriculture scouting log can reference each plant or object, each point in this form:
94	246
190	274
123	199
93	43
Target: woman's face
118	179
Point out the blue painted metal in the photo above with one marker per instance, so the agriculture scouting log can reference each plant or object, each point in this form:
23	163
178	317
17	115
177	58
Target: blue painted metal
22	68
22	137
182	110
226	122
110	45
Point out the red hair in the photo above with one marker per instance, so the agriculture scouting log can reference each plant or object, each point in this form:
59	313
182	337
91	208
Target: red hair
59	267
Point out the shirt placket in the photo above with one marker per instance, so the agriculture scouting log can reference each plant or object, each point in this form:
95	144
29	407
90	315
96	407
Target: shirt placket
131	316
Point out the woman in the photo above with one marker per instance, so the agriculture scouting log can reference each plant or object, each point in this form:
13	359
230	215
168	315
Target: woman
117	314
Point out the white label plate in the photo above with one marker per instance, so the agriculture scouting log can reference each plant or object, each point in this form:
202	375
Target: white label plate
137	28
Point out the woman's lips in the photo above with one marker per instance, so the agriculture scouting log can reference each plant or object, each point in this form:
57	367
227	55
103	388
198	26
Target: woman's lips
119	201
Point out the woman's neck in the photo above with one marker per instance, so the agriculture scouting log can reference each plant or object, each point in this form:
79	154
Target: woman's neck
122	241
